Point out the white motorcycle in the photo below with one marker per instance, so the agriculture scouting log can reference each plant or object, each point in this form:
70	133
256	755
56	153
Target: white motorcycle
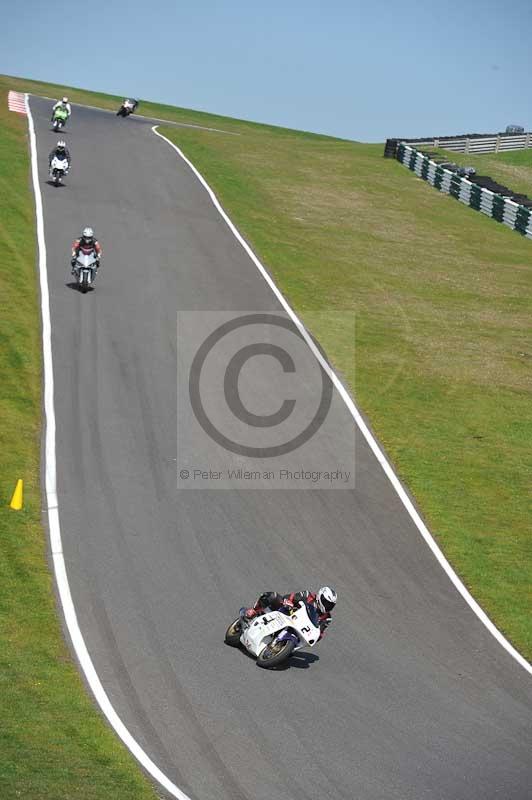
58	170
274	636
85	269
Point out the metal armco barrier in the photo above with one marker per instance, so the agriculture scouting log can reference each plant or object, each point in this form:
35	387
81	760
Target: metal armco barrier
466	143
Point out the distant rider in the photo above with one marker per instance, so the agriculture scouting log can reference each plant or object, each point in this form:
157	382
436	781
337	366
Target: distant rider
323	601
87	244
62	104
60	151
130	105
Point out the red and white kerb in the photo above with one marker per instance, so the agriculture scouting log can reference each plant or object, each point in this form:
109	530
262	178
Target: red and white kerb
17	102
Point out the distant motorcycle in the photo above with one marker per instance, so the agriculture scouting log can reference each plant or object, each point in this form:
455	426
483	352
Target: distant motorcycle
58	170
127	108
59	118
274	636
85	269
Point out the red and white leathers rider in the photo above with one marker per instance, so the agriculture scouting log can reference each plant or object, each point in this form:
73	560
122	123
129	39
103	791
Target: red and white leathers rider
324	600
87	243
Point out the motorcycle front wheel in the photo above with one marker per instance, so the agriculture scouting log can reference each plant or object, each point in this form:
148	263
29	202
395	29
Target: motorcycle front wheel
233	632
275	653
84	286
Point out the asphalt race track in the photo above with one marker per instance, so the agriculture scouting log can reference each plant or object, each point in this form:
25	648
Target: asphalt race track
408	697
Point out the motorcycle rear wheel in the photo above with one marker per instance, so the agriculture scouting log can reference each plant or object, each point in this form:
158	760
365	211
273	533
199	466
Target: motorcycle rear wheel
275	653
233	633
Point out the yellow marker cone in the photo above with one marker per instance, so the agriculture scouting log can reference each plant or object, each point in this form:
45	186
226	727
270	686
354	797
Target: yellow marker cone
18	496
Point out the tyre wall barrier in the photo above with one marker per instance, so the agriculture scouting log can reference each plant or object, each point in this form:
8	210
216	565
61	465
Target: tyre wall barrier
495	205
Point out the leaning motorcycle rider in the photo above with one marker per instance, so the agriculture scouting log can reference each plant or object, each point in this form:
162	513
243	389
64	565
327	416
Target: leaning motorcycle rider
130	103
61	152
62	104
323	601
87	243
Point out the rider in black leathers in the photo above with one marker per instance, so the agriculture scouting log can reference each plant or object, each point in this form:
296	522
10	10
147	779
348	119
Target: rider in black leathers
61	151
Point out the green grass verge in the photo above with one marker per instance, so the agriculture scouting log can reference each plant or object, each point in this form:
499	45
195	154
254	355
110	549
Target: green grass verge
53	742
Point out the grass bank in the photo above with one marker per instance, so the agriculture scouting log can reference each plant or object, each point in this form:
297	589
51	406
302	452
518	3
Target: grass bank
53	742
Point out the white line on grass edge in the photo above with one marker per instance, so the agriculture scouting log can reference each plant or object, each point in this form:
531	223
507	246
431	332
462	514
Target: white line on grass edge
51	500
379	455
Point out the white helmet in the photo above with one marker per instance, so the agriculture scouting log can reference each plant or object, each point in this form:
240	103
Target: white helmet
61	145
64	100
87	234
326	599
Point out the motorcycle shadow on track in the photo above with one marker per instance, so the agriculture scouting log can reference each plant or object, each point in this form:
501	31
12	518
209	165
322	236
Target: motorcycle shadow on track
55	185
74	285
299	660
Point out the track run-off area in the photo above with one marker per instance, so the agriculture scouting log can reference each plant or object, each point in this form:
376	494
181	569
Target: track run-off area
409	695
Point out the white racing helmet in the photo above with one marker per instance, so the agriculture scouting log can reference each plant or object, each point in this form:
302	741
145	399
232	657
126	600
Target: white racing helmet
326	599
87	234
61	145
64	100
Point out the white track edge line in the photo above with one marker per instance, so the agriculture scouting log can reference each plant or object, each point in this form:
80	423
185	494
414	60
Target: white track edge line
379	455
61	577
